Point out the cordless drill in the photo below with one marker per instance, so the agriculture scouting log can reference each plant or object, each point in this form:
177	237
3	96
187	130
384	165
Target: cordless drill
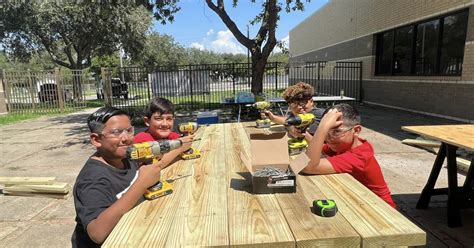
151	152
301	122
186	129
262	106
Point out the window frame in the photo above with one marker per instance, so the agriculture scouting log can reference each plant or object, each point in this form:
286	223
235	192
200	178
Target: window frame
413	58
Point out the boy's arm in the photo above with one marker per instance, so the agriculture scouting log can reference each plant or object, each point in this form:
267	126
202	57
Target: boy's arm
171	156
100	228
275	118
318	165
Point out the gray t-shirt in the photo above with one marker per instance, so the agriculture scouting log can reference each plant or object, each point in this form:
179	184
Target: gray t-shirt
97	187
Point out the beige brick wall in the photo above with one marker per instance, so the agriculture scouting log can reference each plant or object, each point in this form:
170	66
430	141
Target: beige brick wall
342	20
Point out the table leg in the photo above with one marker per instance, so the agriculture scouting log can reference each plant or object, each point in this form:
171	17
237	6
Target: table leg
425	196
240	109
469	182
454	217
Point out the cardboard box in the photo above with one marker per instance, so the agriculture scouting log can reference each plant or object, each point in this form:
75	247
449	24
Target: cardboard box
269	148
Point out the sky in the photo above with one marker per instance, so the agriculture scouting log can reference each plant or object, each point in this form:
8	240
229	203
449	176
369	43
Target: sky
196	25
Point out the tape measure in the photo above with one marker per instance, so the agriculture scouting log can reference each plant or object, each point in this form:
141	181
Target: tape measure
325	208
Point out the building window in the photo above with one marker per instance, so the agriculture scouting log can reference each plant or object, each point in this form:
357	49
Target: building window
432	47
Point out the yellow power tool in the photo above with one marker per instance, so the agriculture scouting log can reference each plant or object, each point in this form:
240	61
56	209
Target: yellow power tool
151	152
262	106
301	122
186	129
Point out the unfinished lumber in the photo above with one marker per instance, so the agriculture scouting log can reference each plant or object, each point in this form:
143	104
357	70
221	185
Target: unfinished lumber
48	195
55	188
421	142
26	180
463	164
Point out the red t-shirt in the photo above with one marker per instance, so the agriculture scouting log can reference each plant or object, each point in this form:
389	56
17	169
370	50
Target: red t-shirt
146	136
362	165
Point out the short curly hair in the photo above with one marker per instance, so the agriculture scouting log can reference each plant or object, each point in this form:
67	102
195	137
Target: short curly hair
298	92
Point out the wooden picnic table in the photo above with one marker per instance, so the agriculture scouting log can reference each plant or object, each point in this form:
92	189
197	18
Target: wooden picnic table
212	206
452	137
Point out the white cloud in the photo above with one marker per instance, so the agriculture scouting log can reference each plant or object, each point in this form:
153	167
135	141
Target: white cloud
222	42
226	43
198	46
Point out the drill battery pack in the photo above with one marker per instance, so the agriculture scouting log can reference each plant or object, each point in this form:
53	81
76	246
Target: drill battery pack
192	153
158	190
297	145
263	123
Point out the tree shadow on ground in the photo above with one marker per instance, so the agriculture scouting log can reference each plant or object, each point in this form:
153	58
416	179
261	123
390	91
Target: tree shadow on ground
433	221
390	121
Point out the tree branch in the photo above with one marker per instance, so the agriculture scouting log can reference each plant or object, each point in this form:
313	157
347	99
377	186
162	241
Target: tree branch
221	12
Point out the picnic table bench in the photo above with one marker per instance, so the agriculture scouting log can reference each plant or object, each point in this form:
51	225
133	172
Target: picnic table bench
212	205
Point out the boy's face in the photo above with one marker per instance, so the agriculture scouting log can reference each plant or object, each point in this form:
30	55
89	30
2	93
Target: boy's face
160	125
301	107
114	140
341	138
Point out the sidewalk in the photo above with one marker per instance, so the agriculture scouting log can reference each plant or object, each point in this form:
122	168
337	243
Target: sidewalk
60	146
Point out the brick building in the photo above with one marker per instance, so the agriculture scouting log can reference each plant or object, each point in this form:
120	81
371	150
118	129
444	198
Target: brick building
417	55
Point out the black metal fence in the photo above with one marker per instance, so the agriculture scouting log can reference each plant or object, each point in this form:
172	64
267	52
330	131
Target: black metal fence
208	86
46	91
190	87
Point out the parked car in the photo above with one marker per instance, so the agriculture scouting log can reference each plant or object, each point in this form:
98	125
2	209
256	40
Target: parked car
119	89
49	93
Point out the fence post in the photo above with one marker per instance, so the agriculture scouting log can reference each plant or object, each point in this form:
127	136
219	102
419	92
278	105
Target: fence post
359	87
59	84
191	84
4	94
276	77
233	80
106	86
32	90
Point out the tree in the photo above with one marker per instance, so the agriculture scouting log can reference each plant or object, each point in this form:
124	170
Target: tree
263	43
74	32
160	50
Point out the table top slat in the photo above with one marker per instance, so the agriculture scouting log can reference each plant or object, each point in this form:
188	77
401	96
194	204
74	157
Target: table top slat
376	222
253	219
458	135
309	229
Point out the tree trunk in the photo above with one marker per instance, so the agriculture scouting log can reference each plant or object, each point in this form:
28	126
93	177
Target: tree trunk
258	69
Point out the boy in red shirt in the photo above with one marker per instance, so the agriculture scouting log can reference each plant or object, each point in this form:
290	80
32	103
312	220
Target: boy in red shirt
159	117
345	151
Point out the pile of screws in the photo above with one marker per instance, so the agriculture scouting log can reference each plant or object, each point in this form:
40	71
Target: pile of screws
271	172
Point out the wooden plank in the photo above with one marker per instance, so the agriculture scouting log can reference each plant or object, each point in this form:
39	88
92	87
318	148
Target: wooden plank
311	230
47	195
26	180
254	220
377	223
422	143
57	187
458	135
463	164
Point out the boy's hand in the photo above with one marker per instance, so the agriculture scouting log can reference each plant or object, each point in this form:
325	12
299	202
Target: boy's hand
187	142
266	114
308	136
148	175
331	119
294	132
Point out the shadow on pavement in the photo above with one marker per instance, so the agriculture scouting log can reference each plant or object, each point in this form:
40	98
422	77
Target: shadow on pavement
390	121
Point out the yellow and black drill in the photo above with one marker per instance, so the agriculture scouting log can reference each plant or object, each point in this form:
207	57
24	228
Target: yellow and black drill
301	122
262	106
186	129
151	152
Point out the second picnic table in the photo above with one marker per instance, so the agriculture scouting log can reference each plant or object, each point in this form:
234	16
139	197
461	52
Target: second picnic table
212	205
